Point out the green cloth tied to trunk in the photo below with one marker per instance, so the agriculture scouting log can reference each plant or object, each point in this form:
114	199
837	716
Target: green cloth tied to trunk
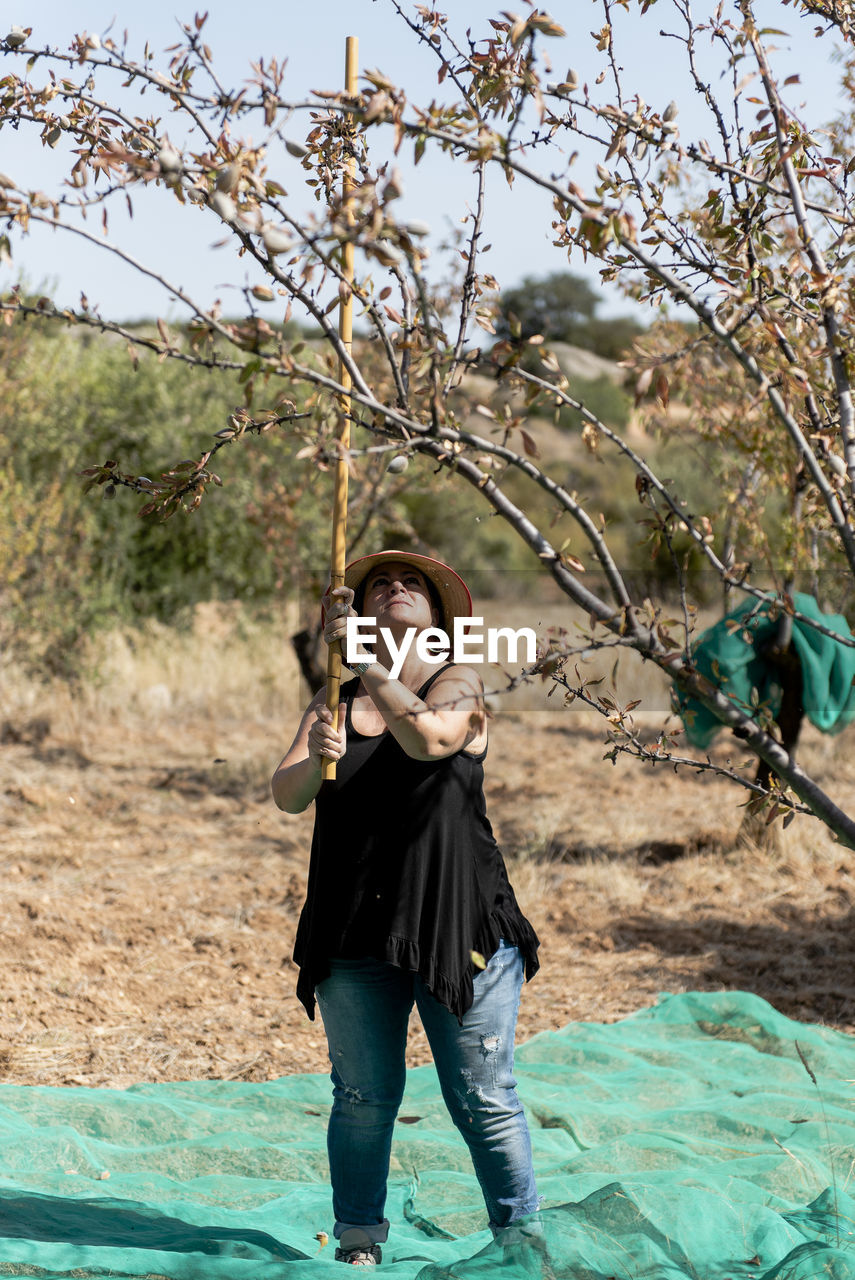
732	658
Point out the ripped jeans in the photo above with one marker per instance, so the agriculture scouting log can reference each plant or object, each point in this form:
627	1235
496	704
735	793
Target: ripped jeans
365	1005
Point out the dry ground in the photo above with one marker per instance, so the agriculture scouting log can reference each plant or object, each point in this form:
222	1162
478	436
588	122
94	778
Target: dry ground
150	889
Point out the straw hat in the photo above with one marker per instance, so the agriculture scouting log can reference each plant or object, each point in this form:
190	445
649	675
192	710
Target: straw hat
451	589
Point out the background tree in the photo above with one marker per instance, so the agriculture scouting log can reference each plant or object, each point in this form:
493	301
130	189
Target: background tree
749	230
562	307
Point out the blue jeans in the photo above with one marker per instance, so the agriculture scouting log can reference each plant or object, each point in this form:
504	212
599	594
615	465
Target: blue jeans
365	1005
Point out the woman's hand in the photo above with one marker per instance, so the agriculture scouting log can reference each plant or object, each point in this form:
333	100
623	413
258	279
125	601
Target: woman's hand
338	607
297	779
324	742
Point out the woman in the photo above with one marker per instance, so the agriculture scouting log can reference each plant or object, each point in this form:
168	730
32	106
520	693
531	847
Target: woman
408	901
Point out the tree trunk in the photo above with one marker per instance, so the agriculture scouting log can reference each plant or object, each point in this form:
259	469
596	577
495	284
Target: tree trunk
754	828
305	645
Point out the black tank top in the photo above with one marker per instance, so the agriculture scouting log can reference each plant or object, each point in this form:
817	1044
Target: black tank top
405	868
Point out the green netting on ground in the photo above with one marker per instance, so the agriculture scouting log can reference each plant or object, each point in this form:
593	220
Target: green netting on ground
731	657
686	1141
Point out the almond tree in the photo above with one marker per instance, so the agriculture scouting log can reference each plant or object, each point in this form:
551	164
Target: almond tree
748	229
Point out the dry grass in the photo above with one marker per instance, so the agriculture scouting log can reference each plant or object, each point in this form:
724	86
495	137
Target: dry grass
150	889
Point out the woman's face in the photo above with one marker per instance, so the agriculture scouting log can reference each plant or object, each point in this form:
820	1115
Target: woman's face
396	592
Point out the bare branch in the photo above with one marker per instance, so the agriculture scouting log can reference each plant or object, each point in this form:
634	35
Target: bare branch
469	290
817	258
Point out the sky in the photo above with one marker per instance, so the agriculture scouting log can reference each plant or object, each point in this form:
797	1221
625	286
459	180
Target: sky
311	36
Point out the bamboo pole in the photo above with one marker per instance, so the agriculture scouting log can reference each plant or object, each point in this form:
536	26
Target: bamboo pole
338	552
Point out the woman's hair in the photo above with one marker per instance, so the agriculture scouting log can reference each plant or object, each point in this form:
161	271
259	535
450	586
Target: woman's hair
435	598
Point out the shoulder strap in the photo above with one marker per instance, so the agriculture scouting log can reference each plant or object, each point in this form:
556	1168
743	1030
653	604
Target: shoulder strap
346	695
420	693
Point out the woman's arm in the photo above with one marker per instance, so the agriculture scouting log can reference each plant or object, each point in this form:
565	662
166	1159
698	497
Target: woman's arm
297	779
450	718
